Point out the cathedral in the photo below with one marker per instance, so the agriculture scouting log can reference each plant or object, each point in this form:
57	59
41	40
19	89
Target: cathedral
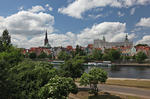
104	44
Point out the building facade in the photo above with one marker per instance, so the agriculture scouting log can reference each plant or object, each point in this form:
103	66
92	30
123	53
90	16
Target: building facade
104	44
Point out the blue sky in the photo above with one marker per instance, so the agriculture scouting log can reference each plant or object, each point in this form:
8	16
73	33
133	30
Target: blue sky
72	22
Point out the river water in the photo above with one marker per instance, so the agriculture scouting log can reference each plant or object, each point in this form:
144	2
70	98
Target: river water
137	72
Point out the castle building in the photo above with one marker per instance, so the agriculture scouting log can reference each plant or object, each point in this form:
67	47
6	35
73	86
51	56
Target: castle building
104	44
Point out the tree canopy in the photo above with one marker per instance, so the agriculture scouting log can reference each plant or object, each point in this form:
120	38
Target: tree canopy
140	57
63	56
92	78
97	54
72	68
58	88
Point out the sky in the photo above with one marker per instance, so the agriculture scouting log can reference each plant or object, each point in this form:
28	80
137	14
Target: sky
72	22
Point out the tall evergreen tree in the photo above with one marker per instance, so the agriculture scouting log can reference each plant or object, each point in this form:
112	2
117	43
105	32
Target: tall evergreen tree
6	39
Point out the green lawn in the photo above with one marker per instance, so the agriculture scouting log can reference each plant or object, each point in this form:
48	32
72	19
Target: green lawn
130	83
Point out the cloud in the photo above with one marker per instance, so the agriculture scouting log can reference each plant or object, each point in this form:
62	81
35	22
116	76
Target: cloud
113	31
49	7
132	11
144	40
21	8
95	16
27	29
144	22
36	8
120	14
26	25
78	7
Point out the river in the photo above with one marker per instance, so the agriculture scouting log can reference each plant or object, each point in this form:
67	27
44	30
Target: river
137	72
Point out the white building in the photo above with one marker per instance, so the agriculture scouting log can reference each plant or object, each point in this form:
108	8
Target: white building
104	44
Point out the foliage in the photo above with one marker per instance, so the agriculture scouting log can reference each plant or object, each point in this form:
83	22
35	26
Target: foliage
50	56
92	78
114	54
97	54
63	56
58	88
5	41
106	57
6	38
42	55
28	77
32	55
8	59
79	51
141	45
123	57
72	68
140	57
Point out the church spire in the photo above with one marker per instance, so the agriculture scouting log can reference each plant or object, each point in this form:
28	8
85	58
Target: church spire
126	38
104	38
46	39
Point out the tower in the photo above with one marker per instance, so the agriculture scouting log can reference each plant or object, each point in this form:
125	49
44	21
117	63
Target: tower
104	38
46	39
126	38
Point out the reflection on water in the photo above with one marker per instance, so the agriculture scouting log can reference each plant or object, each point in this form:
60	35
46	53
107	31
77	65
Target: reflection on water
141	72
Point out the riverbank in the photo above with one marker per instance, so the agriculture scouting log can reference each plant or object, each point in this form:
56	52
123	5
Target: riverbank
132	64
139	83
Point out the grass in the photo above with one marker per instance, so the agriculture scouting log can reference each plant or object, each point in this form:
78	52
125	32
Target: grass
130	83
102	95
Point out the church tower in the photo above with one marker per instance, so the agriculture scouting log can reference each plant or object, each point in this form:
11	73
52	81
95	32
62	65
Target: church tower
46	39
126	38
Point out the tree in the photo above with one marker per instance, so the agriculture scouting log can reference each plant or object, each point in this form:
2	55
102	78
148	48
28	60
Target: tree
92	78
63	56
106	57
58	88
140	57
42	55
141	45
28	77
97	54
6	39
32	55
79	51
72	68
114	54
8	59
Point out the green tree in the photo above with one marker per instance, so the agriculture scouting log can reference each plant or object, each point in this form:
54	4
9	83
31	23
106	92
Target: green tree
28	77
141	45
72	68
49	56
106	57
58	88
8	59
114	54
97	54
63	56
42	55
140	57
32	55
92	78
79	51
6	39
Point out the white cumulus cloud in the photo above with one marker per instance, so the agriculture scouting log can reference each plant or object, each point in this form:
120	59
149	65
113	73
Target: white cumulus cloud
78	7
144	22
36	8
144	40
